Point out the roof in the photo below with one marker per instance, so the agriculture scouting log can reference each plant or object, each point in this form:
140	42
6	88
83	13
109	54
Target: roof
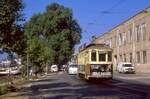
98	45
92	45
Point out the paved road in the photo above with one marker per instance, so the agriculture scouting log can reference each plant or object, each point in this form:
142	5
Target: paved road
138	78
64	86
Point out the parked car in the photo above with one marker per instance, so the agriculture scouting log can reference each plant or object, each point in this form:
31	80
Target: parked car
72	69
125	67
10	70
54	68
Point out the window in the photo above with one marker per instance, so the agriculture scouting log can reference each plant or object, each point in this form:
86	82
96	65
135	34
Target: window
116	43
127	65
130	34
144	57
120	58
138	57
93	55
120	39
130	57
137	32
109	42
124	58
102	56
143	31
109	56
124	38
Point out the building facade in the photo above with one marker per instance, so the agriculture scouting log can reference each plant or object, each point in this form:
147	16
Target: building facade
130	41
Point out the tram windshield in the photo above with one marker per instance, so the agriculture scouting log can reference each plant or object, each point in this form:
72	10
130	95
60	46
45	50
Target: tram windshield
101	57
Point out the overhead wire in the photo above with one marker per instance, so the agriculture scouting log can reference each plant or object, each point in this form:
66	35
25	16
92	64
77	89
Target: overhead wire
108	11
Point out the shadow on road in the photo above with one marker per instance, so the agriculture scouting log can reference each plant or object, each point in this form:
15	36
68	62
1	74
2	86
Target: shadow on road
64	90
105	89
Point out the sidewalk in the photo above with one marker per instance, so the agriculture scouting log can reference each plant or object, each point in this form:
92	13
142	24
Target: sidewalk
138	78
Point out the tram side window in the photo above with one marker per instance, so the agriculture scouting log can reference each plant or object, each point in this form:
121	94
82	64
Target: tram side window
102	56
109	56
93	56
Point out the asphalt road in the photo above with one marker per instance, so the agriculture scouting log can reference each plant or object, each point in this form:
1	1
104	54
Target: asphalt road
64	86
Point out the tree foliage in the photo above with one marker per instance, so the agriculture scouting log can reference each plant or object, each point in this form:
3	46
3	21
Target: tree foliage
52	35
11	32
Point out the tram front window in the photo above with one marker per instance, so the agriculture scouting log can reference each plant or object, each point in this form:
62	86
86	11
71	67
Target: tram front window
102	57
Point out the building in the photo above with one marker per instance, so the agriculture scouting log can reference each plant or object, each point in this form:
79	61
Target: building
130	41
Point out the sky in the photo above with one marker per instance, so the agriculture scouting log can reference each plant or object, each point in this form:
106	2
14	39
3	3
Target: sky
95	17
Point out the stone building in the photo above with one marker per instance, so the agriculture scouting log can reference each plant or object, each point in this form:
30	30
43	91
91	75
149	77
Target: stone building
130	41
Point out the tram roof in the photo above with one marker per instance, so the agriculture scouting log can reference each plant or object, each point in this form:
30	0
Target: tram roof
92	45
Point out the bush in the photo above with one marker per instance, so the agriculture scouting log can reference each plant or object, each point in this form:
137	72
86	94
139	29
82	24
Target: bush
13	86
3	89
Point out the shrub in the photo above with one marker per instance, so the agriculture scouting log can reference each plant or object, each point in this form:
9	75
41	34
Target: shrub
3	89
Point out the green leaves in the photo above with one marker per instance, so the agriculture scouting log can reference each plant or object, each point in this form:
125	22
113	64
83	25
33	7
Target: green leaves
48	37
52	35
11	33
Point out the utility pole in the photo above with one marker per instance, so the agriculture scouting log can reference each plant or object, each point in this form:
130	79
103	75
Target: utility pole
28	66
9	81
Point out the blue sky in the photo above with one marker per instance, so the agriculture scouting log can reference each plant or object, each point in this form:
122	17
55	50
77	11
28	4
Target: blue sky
90	13
94	16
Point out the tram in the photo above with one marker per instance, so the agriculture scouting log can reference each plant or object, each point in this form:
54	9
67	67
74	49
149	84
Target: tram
95	62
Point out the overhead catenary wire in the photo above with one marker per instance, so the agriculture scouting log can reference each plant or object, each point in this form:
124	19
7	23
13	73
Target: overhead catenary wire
109	11
115	5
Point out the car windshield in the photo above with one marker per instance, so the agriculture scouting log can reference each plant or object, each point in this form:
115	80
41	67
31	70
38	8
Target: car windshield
127	65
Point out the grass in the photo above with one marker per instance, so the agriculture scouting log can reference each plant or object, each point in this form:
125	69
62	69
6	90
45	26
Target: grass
3	89
12	84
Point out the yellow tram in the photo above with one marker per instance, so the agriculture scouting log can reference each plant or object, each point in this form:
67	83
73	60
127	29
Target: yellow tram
95	61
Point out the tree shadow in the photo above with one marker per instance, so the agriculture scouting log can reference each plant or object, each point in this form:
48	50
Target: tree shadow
90	90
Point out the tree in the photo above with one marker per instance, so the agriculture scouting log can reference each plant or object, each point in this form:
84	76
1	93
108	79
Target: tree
39	52
11	32
59	31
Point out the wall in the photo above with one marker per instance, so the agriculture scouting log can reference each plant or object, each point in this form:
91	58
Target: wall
130	38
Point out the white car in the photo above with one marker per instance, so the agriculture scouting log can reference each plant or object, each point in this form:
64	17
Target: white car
12	70
54	68
125	67
72	69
